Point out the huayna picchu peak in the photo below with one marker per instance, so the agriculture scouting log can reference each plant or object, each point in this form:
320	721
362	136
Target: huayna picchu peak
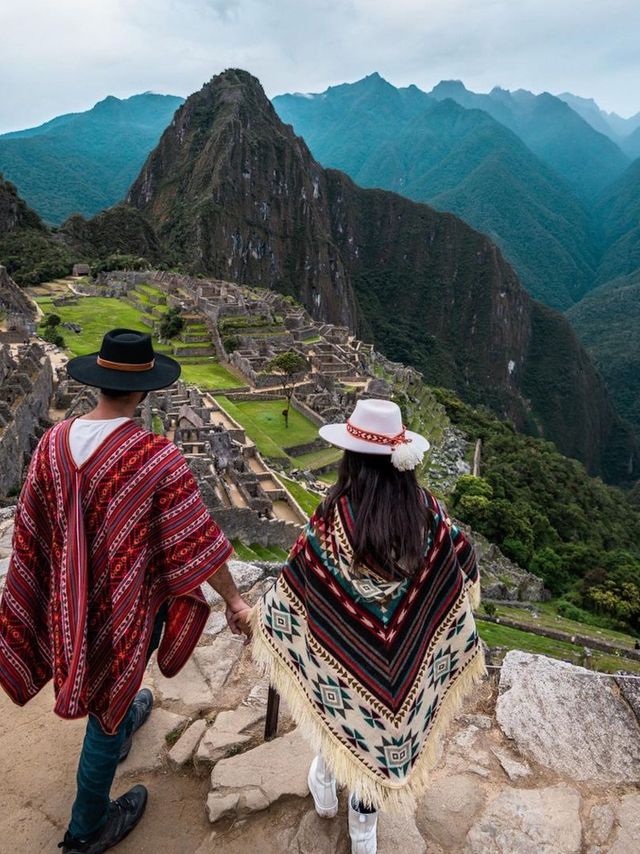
231	191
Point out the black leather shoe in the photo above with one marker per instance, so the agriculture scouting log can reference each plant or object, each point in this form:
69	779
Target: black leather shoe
142	705
123	816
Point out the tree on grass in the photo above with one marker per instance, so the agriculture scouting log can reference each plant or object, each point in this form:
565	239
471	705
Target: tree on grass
51	330
287	366
172	324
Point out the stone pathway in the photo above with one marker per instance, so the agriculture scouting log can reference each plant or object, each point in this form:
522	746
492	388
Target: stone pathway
545	762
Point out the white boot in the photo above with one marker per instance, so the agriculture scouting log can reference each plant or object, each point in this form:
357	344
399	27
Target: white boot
322	785
362	830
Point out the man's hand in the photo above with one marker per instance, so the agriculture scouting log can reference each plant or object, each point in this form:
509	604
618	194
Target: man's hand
223	583
237	614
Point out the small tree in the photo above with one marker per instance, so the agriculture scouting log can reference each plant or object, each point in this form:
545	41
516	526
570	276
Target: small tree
171	324
52	320
287	365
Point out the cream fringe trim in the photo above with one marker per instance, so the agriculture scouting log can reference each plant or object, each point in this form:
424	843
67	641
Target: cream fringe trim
367	786
474	595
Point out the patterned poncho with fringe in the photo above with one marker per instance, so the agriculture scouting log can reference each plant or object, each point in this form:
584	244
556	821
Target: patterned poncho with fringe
372	670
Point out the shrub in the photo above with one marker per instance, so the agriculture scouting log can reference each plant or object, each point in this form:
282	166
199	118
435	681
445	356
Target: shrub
171	324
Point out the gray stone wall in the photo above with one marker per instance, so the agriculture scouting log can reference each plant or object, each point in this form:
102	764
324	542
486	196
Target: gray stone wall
245	525
28	384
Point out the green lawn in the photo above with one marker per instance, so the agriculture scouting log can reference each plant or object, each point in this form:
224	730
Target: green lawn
318	459
95	315
550	619
257	552
263	442
497	635
264	424
306	498
208	374
328	477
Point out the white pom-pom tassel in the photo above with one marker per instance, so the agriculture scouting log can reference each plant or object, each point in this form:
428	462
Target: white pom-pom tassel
406	456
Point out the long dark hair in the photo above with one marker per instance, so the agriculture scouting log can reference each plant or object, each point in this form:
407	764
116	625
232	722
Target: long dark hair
392	518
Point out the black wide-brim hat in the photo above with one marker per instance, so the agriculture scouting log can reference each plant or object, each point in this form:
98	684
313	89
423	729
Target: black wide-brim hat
126	362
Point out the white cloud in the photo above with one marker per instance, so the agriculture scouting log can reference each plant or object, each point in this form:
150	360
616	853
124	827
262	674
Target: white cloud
63	56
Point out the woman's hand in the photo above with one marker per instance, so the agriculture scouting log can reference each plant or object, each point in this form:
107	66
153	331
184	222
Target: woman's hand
237	614
242	623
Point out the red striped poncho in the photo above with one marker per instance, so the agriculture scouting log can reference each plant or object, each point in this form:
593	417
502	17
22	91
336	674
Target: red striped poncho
371	669
97	550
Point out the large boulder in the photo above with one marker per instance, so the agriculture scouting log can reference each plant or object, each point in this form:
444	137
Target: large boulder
568	719
529	821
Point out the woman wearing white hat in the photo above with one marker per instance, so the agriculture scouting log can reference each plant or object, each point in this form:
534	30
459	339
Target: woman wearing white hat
368	633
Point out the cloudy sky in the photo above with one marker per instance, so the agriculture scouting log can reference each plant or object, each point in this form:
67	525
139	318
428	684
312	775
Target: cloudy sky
60	56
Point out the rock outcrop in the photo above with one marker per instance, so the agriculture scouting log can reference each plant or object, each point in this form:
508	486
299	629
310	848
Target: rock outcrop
540	704
20	312
26	388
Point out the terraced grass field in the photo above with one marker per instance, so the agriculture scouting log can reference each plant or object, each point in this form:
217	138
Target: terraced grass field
264	424
97	314
306	498
505	636
548	618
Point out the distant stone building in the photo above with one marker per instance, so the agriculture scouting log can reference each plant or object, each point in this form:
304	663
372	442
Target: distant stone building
81	270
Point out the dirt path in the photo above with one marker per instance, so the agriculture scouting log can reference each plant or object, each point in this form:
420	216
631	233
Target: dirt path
38	757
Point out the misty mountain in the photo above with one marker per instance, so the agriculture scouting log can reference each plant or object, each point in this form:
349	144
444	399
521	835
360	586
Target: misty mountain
456	159
232	192
84	162
586	159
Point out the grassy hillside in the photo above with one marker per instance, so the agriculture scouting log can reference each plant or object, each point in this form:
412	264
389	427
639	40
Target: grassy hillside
580	535
84	162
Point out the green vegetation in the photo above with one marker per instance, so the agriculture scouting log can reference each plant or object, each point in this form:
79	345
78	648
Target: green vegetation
31	256
549	616
207	373
288	366
157	425
84	162
318	459
94	315
171	324
257	552
306	498
50	330
503	636
607	321
459	160
262	420
543	510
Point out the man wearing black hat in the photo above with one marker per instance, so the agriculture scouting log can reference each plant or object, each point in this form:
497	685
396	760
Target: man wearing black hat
111	544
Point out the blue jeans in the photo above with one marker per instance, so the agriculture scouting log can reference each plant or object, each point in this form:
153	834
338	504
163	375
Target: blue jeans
99	760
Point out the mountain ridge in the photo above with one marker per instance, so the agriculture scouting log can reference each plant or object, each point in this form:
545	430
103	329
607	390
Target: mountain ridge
430	149
235	193
84	162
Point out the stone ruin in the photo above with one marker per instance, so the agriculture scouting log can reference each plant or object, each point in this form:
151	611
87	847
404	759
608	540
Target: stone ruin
26	387
241	491
18	310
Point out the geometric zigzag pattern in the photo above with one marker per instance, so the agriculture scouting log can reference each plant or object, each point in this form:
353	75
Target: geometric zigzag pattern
374	671
97	550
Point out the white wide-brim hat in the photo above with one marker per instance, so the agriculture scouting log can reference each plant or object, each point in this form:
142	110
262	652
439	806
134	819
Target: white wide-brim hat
375	427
